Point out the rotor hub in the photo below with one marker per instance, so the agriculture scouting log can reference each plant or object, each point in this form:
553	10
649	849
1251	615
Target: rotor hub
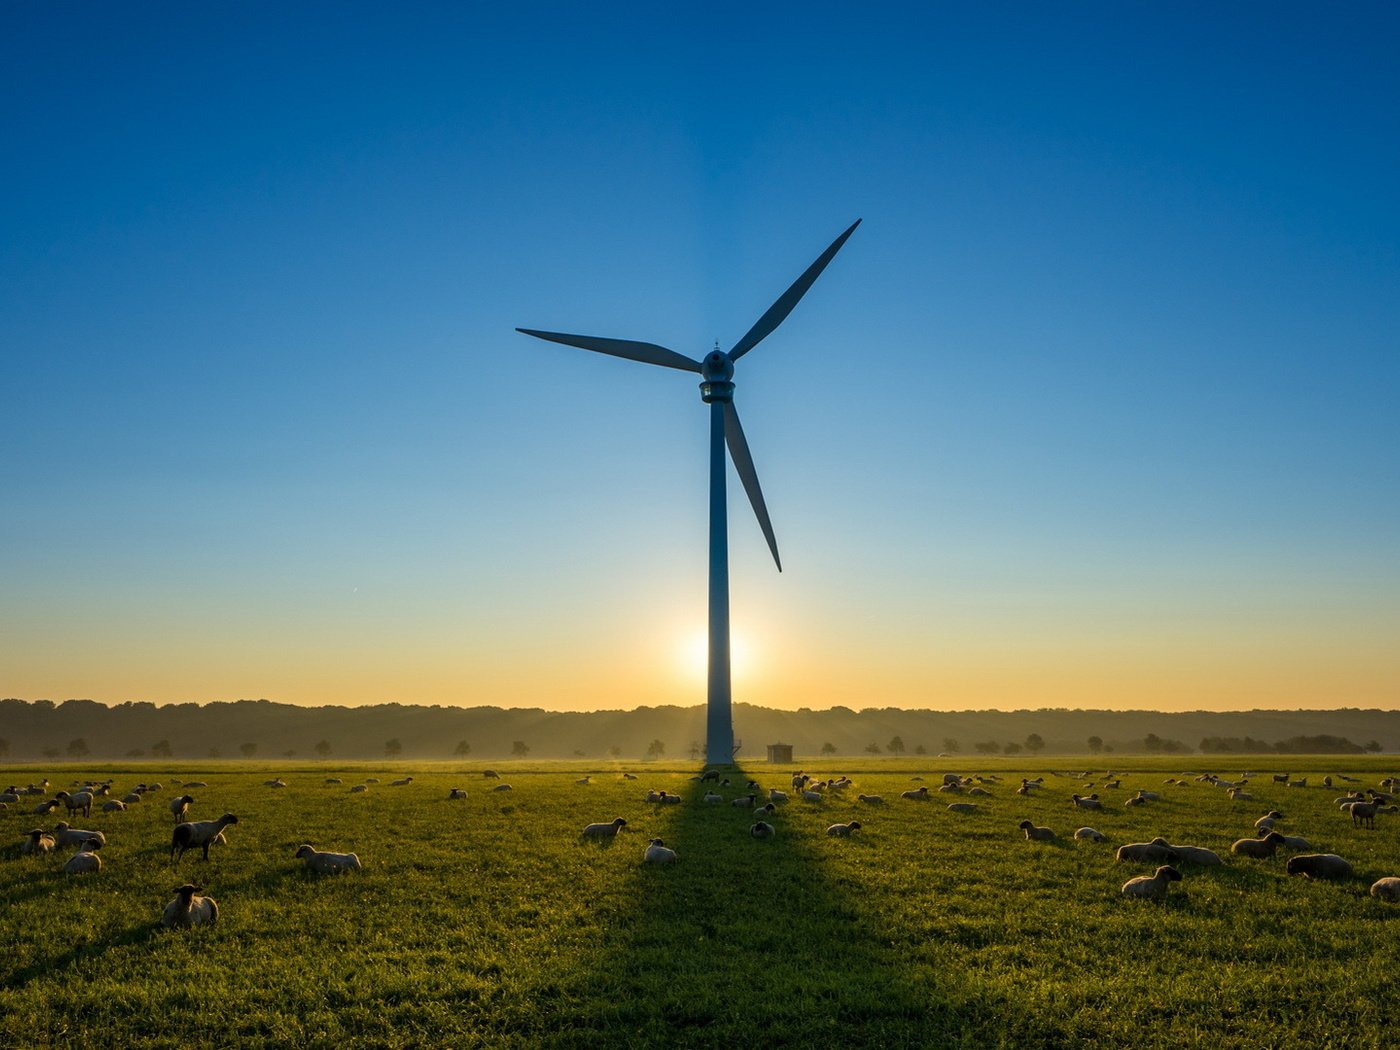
717	370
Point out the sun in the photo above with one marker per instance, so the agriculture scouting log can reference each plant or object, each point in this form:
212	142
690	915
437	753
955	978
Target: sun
693	656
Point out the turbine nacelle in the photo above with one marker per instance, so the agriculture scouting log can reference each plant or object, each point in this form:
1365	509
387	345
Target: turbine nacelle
717	369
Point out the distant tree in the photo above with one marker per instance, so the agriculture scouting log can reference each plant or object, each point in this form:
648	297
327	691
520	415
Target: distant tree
323	748
579	753
828	748
694	750
1152	743
615	751
462	749
1035	743
214	752
249	749
4	747
656	749
988	747
1374	747
289	753
49	752
519	749
136	752
78	748
393	747
896	745
951	746
920	750
162	749
873	748
1012	748
1096	744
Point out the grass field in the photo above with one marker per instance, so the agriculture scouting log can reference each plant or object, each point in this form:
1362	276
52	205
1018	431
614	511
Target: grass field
487	922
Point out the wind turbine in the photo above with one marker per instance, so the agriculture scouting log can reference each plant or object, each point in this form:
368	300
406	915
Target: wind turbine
717	391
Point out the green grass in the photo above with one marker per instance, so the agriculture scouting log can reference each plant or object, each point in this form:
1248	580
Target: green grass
487	922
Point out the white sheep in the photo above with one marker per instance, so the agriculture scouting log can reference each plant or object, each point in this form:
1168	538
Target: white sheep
401	782
1035	834
334	780
85	860
187	910
113	806
712	797
456	793
65	836
1387	889
915	795
1154	886
765	811
604	831
657	853
1155	852
275	782
180	807
843	830
812	796
669	799
1319	866
1090	835
761	829
745	801
1268	820
38	841
774	795
76	801
195	784
962	807
199	833
327	863
1197	855
1259	849
502	787
356	789
870	800
1086	801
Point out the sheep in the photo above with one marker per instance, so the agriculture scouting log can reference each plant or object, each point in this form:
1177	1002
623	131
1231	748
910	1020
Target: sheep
952	789
456	793
38	841
1035	834
629	776
199	833
85	860
604	831
709	775
1294	842
1240	795
401	782
502	787
1154	886
1318	866
979	791
45	807
113	806
1387	889
1267	821
180	806
1090	835
1364	813
799	781
66	836
1300	783
1259	849
132	797
583	781
195	784
916	795
10	794
187	910
1155	852
356	789
275	782
811	796
76	801
490	774
843	830
761	829
1135	801
774	795
765	811
657	853
870	800
669	799
157	786
327	863
712	797
745	801
1197	855
962	807
1083	802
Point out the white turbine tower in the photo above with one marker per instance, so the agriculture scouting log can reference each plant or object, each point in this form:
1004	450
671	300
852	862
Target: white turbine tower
717	391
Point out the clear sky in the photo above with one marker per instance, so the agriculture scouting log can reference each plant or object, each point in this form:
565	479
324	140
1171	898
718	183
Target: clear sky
1099	407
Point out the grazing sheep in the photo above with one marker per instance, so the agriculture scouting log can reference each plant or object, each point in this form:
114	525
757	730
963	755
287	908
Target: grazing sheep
1364	813
85	860
1086	802
870	800
761	829
604	831
456	793
356	789
187	910
401	782
1154	886
200	833
1090	835
113	806
1197	855
1387	889
1300	783
1268	820
65	836
712	797
709	775
327	863
774	795
843	830
1319	866
132	797
490	774
195	784
39	841
1259	849
962	807
1154	852
979	791
179	806
502	787
811	796
76	801
1035	834
916	795
657	853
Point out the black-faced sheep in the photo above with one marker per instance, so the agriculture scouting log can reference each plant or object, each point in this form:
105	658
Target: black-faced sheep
658	853
1319	866
1259	849
1035	834
85	860
761	829
1155	852
199	833
327	863
1387	889
188	910
1154	886
604	831
38	841
843	830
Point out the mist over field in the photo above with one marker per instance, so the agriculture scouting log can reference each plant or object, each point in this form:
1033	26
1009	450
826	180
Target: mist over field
75	729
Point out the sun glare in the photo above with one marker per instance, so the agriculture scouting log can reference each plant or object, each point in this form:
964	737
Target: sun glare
693	653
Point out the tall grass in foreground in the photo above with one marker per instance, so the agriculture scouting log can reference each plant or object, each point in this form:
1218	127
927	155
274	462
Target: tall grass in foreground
487	922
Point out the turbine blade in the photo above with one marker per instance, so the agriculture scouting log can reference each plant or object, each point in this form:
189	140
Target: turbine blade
647	353
779	310
743	463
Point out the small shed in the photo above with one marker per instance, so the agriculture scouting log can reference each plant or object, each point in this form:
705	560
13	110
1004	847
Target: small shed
780	753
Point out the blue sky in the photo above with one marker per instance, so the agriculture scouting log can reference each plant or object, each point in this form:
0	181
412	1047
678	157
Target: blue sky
1096	408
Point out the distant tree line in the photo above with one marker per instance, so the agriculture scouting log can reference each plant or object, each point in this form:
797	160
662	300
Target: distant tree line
1322	744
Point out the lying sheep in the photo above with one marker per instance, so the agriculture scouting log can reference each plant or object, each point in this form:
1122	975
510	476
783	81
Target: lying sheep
774	795
502	787
981	791
65	836
39	841
456	793
195	784
962	807
85	860
187	910
669	799
712	797
916	795
1387	889
1155	852
132	797
1197	855
870	800
745	801
1086	802
1035	834
401	782
1154	886
1294	842
356	789
327	863
199	833
1319	866
45	807
179	806
1259	849
761	829
843	830
1268	820
765	811
1090	835
657	853
812	796
113	806
604	831
583	781
334	780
